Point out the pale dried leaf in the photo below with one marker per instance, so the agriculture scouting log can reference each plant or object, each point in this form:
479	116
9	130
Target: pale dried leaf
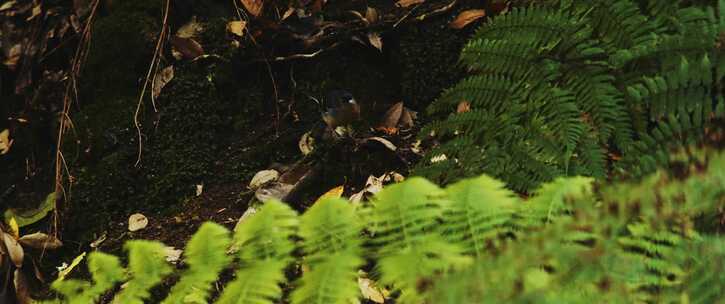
370	291
36	12
7	5
406	3
5	141
137	221
236	27
397	177
190	29
306	143
263	177
13	56
273	191
392	116
98	241
371	15
254	7
384	141
172	254
332	193
466	17
463	107
162	78
188	48
288	12
40	240
15	251
406	118
376	41
438	158
199	189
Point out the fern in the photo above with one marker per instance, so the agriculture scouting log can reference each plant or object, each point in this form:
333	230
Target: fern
106	271
557	89
147	266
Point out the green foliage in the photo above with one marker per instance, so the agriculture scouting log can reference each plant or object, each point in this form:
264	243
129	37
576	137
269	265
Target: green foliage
555	88
573	241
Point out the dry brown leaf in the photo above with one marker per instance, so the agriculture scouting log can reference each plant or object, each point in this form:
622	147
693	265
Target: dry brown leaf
406	3
392	116
190	29
370	291
288	12
463	107
254	7
40	241
36	11
383	141
187	48
236	27
172	254
137	221
376	41
13	56
15	251
466	17
406	118
162	78
306	143
7	5
263	177
371	15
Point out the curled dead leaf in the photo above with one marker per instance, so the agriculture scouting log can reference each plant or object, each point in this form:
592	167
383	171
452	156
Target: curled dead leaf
13	56
383	141
370	291
376	41
371	15
466	17
15	251
236	27
186	48
137	221
392	116
332	193
406	3
463	107
306	143
406	118
172	254
40	240
190	29
254	7
161	79
263	177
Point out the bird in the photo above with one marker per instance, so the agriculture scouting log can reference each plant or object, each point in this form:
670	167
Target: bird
340	109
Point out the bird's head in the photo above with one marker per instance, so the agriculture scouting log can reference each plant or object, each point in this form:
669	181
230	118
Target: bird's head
340	108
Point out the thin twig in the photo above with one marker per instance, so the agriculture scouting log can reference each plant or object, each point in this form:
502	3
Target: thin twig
154	64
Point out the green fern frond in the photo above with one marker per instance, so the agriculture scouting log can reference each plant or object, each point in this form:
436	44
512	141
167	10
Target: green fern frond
148	267
267	234
206	255
106	271
256	283
330	281
330	227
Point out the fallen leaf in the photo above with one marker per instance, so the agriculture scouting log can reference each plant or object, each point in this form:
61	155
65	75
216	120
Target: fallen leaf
254	7
13	56
273	191
7	5
306	143
65	269
263	177
383	141
137	221
36	11
332	193
463	107
372	186
397	177
406	3
288	12
375	41
186	48
370	291
161	79
392	116
40	240
371	15
14	249
199	189
172	254
466	17
190	29
30	216
236	27
406	118
98	241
